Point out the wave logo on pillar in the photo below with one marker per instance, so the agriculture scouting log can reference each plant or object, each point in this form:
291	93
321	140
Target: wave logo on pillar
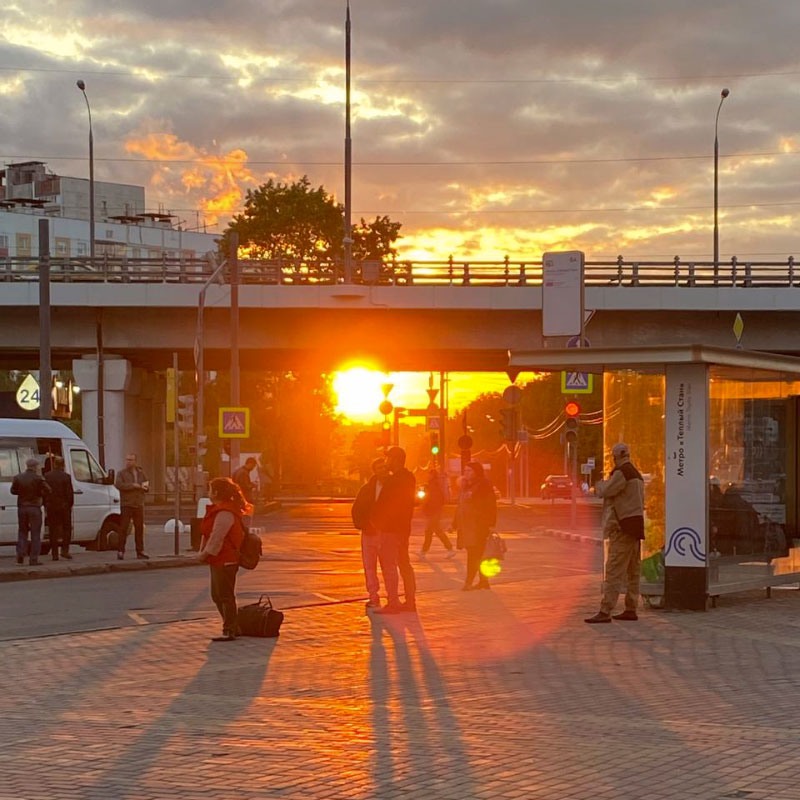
685	544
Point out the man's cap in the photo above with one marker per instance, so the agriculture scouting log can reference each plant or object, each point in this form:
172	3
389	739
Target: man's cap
31	463
620	450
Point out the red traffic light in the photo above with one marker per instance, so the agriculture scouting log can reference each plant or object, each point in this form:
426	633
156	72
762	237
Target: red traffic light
572	409
386	408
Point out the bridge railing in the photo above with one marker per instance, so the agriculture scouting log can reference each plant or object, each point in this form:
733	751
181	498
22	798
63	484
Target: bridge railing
452	272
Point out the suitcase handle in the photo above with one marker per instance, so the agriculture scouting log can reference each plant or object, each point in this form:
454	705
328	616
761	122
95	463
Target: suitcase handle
268	604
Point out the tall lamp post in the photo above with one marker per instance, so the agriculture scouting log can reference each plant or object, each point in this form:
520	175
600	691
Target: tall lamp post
348	163
101	443
723	95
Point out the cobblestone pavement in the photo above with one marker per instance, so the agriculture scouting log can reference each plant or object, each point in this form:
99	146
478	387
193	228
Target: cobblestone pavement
501	694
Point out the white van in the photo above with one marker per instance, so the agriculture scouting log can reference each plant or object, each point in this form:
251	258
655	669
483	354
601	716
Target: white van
96	512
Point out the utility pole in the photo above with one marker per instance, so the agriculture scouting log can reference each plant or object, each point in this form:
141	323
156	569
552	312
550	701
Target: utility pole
233	261
45	375
348	163
176	450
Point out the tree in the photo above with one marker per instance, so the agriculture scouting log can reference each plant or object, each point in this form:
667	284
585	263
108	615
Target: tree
296	221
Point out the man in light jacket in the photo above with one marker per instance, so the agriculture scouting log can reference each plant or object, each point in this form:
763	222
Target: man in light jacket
623	525
133	485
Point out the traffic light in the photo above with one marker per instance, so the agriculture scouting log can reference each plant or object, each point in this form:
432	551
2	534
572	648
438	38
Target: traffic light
186	413
573	411
508	424
434	443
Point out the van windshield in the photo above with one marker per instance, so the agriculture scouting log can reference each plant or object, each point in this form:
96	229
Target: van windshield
15	451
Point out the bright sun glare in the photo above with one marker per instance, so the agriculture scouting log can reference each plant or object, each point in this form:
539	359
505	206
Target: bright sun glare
358	393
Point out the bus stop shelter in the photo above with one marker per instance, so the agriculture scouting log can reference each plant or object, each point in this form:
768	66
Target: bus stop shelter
714	432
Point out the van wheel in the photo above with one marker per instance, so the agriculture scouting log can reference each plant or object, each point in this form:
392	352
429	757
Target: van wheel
108	538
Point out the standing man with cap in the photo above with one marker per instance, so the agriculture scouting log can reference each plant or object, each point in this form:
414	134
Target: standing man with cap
30	489
59	508
133	485
623	525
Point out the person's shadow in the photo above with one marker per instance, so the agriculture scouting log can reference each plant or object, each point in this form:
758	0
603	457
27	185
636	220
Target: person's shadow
429	729
222	689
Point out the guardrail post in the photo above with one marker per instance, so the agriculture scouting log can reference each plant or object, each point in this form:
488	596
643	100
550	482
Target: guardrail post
523	278
791	270
734	265
465	279
506	269
450	269
105	266
677	264
619	270
748	275
635	273
183	268
124	270
691	281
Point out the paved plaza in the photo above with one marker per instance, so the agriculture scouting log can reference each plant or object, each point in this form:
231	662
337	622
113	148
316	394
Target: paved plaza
501	694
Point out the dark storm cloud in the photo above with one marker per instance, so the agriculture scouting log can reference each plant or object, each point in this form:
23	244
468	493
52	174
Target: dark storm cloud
248	75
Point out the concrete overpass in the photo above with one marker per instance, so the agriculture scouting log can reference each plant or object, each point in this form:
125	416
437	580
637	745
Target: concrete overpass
442	316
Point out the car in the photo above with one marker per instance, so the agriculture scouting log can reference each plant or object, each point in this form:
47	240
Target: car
556	486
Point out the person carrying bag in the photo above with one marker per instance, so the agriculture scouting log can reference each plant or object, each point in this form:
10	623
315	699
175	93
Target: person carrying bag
222	535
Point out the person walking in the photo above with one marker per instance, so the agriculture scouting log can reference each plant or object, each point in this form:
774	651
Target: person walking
432	507
133	486
393	513
476	514
222	535
58	505
623	525
31	489
242	477
364	520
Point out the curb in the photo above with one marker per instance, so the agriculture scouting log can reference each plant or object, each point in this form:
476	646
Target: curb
43	573
573	537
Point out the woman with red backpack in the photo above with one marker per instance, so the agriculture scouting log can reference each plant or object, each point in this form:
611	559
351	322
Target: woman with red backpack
223	532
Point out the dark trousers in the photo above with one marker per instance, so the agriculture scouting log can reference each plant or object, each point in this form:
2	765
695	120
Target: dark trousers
223	593
133	514
406	570
474	558
29	532
59	522
434	525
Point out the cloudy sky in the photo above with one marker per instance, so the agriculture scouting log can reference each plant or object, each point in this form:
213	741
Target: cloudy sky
487	127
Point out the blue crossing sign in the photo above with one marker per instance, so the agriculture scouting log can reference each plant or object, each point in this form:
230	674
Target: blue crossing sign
577	383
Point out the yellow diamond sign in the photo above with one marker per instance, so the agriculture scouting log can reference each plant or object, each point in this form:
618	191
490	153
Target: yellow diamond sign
738	327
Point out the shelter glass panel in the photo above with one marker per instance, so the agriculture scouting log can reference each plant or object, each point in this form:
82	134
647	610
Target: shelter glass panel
753	532
634	413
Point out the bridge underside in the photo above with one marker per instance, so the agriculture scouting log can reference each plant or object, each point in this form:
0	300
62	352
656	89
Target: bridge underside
396	339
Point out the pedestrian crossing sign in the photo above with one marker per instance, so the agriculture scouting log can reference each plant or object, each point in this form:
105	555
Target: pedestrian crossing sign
577	383
234	423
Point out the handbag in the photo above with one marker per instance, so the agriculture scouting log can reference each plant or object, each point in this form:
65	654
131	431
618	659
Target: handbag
259	619
495	547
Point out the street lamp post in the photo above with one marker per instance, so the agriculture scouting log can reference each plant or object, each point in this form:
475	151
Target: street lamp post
348	164
723	95
101	439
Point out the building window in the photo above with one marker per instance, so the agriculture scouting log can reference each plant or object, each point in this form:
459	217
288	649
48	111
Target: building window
23	244
109	233
136	252
62	246
3	245
82	248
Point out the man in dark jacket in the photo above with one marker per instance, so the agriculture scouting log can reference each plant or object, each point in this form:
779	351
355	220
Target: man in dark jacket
393	512
30	489
58	505
362	512
432	507
133	485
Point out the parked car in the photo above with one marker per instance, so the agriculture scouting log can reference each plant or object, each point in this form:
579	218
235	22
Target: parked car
556	486
96	513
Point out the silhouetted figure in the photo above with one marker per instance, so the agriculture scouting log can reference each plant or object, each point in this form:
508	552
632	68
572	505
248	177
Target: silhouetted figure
476	515
58	505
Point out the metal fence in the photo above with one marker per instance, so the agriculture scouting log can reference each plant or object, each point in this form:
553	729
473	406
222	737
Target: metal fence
452	272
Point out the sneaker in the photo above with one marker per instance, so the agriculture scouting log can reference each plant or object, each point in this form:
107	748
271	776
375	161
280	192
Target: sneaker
143	556
391	608
451	553
120	556
599	617
226	637
628	615
55	556
67	556
34	562
20	560
468	587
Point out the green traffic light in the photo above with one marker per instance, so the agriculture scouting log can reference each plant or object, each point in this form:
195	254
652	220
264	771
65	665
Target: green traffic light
435	450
